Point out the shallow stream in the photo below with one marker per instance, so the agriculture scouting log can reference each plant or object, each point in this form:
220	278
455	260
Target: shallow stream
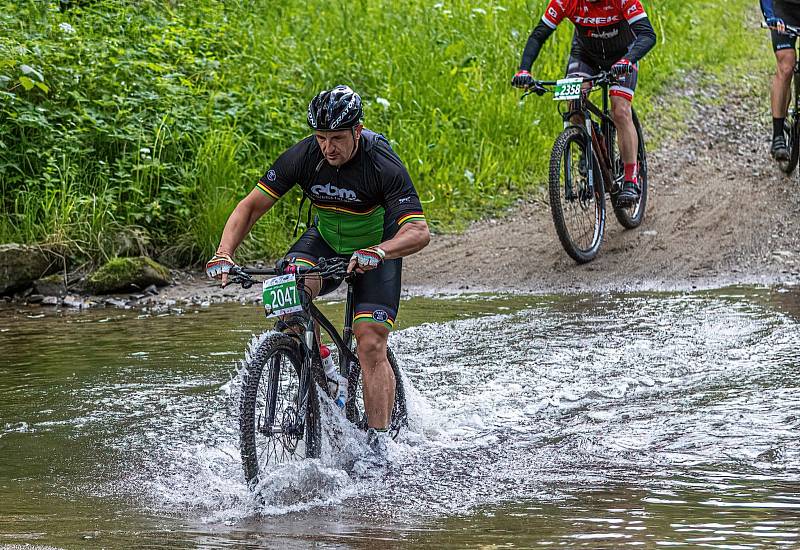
580	421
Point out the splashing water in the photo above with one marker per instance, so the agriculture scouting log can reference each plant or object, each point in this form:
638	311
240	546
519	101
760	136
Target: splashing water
680	407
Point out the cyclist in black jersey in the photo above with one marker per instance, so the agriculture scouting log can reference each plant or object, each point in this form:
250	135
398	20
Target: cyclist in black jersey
609	35
365	209
777	14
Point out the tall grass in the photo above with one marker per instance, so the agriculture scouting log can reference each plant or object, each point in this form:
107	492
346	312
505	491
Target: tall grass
143	127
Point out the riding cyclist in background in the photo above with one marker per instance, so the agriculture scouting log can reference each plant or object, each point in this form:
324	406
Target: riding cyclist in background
778	14
366	210
609	35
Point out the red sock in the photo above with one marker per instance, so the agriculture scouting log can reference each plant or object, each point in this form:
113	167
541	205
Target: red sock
632	172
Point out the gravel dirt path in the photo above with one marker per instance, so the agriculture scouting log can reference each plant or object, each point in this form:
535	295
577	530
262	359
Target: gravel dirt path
719	213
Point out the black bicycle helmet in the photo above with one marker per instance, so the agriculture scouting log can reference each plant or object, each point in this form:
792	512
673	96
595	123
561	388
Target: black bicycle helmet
337	109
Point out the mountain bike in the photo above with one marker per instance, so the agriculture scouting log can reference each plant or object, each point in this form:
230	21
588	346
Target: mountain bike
585	164
279	413
791	126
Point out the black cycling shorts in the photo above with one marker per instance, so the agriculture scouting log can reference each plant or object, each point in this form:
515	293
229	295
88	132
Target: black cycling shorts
581	65
790	13
376	293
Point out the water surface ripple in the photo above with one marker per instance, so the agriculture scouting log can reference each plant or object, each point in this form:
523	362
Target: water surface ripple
580	421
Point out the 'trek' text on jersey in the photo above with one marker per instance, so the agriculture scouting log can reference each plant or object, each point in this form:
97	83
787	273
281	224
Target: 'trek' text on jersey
602	28
359	204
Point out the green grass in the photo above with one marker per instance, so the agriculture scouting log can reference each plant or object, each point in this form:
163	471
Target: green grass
154	117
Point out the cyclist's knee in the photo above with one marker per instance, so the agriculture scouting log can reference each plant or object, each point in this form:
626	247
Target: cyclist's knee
786	65
372	339
621	110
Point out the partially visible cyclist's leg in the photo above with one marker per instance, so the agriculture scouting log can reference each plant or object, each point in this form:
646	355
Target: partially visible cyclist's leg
578	67
626	131
780	94
306	252
621	98
377	298
781	82
379	379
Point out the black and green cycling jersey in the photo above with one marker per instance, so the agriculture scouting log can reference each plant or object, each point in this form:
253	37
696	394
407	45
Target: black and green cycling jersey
359	204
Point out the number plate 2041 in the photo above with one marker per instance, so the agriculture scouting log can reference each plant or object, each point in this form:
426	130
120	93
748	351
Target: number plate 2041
567	89
280	296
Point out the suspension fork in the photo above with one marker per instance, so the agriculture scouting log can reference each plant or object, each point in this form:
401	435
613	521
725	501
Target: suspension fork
587	121
308	342
347	332
796	86
578	108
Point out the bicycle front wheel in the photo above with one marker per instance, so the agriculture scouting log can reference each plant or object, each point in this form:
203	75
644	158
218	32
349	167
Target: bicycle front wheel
791	130
279	418
578	210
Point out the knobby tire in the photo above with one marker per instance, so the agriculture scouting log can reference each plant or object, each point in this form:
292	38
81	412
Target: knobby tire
557	188
792	132
276	361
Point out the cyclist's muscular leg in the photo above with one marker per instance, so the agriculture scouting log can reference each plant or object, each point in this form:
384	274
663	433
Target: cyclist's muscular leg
291	320
781	82
626	131
379	382
306	252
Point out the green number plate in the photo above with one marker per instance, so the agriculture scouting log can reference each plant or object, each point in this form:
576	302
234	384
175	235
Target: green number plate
280	296
567	89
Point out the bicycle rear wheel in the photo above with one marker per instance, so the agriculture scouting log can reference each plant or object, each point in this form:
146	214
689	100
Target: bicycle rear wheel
579	213
632	216
279	418
355	411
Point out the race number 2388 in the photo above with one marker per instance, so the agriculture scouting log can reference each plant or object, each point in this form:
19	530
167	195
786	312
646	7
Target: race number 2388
280	296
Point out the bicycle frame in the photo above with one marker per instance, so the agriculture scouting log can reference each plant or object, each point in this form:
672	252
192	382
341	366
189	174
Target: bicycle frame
604	147
309	334
602	144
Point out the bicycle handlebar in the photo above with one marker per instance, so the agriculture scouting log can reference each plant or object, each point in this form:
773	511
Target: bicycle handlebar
540	86
790	30
327	268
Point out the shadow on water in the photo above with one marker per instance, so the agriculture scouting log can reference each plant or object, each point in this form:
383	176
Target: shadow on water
596	421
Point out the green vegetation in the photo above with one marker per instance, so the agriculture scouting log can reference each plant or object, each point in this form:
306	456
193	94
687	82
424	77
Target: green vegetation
138	124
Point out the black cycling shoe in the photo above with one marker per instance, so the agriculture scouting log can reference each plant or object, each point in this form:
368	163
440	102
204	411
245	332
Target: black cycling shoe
779	151
629	194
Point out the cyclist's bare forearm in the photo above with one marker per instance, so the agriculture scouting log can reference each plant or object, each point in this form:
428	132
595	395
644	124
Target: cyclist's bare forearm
411	237
242	219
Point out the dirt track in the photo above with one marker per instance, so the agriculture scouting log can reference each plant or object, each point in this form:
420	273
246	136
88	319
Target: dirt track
719	212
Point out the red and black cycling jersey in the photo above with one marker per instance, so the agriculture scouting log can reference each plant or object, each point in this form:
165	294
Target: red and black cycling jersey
605	30
359	204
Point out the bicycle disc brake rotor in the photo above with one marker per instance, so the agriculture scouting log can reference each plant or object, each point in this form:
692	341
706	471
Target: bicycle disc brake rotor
290	430
585	196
